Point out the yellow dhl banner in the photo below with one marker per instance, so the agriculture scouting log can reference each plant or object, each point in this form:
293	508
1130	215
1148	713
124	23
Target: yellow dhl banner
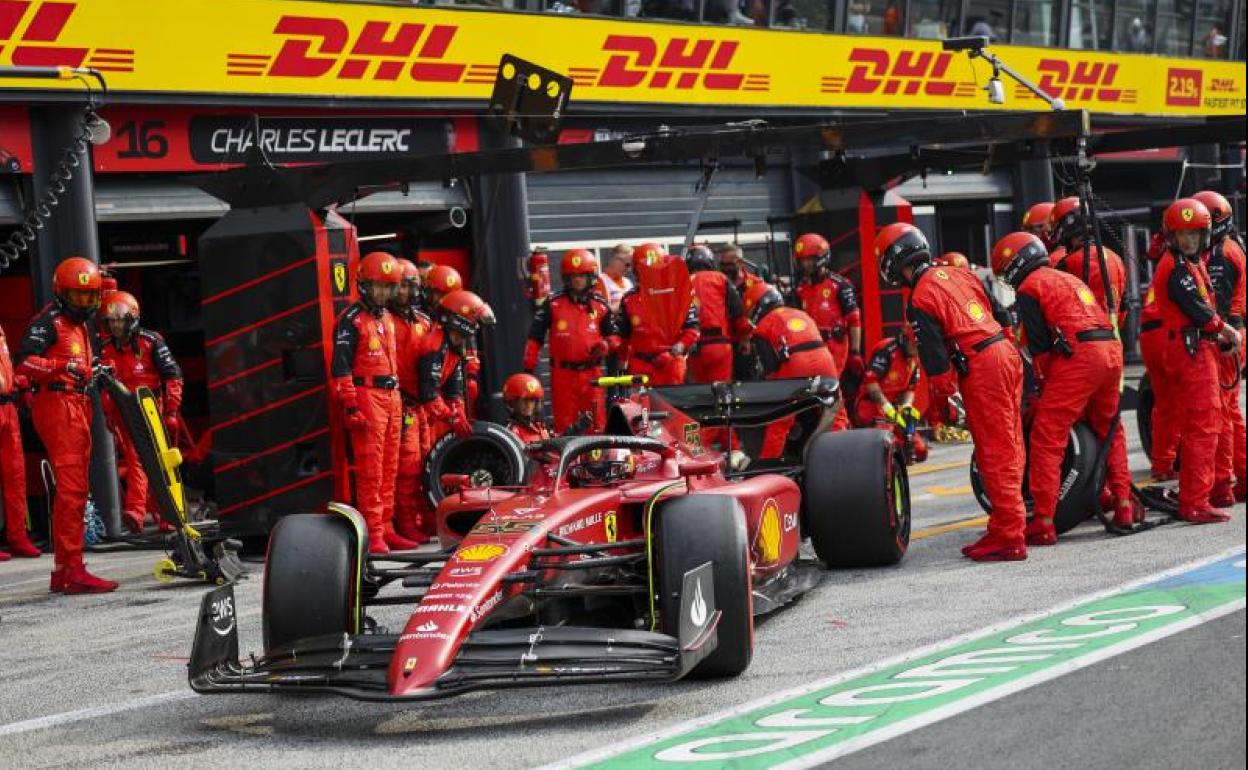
346	50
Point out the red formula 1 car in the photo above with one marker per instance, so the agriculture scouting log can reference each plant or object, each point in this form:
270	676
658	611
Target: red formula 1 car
635	555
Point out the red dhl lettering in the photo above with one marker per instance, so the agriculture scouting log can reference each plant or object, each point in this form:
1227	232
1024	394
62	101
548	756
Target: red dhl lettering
1083	80
319	46
37	28
684	62
906	72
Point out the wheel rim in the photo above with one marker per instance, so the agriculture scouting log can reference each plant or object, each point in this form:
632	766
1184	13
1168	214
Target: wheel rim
899	485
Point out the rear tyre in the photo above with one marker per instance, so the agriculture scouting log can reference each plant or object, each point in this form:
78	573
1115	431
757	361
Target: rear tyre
309	579
688	532
1080	477
492	455
856	496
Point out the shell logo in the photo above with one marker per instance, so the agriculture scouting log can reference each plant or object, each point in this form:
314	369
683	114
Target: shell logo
635	320
942	275
562	325
1086	297
769	533
481	552
75	349
1149	297
374	344
84	278
975	311
827	293
892	376
1007	252
796	325
1187	214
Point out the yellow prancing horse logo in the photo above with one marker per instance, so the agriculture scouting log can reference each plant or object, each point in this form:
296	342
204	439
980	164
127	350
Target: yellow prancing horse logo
611	526
340	277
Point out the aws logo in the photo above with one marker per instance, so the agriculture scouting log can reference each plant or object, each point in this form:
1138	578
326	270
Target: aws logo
36	29
640	61
318	46
1079	80
878	71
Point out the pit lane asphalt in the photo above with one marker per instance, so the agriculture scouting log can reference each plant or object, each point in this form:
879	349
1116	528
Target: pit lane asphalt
62	655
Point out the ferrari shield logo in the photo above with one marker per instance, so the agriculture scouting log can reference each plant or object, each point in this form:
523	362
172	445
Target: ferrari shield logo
340	278
611	527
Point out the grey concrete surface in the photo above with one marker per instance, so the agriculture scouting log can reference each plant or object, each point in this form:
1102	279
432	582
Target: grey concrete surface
60	655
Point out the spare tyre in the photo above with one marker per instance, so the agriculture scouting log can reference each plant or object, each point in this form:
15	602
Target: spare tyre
1081	480
491	455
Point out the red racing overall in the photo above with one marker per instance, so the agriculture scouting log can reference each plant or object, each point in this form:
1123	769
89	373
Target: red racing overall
955	330
581	334
62	416
530	431
1226	268
366	381
896	374
1185	302
1078	360
12	460
646	345
441	390
1072	262
411	331
788	344
143	361
1165	421
721	321
831	302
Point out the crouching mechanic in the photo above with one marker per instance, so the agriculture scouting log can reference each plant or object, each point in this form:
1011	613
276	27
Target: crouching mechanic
886	399
441	365
788	344
365	372
140	358
956	332
57	355
1194	331
1078	361
522	395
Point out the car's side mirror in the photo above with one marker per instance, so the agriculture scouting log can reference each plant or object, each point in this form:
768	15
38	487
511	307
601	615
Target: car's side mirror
698	467
453	482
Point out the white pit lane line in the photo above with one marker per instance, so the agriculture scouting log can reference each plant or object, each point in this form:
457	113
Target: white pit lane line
81	715
614	751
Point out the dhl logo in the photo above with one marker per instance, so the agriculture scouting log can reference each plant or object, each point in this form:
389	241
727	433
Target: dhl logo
908	73
683	63
34	30
314	47
1079	80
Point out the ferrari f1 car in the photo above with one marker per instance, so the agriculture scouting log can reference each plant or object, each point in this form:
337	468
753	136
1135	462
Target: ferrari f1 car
635	555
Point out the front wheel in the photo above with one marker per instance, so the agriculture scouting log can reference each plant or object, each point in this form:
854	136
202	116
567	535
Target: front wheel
856	497
310	579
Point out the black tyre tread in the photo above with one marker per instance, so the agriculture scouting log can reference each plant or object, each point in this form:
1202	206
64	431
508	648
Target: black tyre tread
308	579
1144	415
503	441
848	499
689	532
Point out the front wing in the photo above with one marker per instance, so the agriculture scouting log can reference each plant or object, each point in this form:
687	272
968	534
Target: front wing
356	665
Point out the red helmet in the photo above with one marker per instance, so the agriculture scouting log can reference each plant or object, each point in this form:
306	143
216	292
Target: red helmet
810	245
1065	221
1187	214
443	279
898	246
1219	211
521	385
461	311
1036	220
121	305
408	272
952	259
77	283
759	300
1016	255
648	254
380	267
579	262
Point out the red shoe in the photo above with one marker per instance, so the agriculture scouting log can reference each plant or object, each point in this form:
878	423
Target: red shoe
377	543
1129	513
1106	499
1205	516
57	584
399	543
79	581
990	547
1162	476
1223	496
21	546
132	521
1040	531
1239	490
163	526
